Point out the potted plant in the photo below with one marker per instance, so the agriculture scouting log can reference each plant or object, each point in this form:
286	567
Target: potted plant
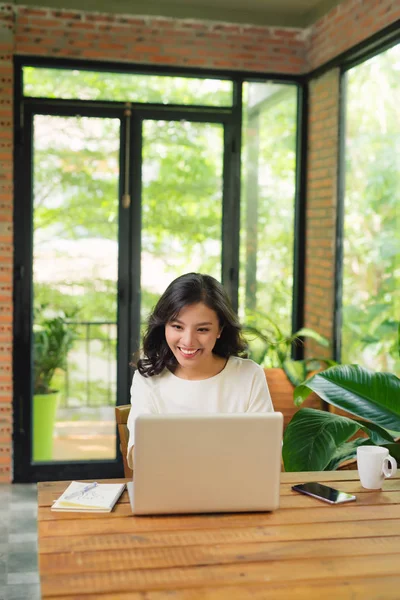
316	440
53	338
272	349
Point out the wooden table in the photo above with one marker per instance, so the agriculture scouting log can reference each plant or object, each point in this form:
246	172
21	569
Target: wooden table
306	549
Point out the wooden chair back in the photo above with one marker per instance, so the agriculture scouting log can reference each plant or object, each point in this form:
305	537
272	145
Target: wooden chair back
121	415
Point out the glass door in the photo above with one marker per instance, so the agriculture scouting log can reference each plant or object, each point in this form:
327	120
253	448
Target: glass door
119	206
75	275
69	296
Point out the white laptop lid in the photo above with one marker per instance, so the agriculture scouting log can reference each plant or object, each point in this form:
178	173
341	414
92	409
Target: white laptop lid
207	463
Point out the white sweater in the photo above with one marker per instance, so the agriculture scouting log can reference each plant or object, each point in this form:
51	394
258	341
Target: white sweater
240	387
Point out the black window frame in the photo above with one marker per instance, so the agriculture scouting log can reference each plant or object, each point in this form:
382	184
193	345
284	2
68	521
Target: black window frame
232	117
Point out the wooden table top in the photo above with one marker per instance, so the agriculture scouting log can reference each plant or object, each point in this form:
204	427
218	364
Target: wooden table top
306	549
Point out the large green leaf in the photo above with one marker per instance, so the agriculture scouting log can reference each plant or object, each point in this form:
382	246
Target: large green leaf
378	435
394	450
317	440
369	395
345	452
312	438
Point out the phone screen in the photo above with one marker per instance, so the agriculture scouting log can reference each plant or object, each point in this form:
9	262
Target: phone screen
323	492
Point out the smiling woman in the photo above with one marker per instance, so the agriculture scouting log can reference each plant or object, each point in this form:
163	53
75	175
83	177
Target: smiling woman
191	339
192	357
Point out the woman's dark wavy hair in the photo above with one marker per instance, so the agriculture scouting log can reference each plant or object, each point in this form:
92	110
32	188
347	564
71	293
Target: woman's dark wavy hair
188	289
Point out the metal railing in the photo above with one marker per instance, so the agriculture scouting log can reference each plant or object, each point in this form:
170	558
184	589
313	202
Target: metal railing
90	376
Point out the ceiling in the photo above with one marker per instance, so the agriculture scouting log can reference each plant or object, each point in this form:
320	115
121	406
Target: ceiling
281	13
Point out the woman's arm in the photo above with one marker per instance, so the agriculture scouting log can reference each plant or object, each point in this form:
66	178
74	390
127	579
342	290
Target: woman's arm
141	403
130	457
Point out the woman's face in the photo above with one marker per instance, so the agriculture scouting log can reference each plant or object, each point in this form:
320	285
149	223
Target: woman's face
192	335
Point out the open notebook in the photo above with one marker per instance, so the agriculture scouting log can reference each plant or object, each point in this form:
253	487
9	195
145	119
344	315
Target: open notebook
84	497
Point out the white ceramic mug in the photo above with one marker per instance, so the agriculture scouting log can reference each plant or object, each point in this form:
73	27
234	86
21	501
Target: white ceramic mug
374	465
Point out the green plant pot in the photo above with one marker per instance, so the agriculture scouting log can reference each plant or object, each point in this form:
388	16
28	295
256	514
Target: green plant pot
44	414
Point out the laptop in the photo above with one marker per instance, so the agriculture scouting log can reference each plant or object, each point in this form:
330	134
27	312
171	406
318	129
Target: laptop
206	463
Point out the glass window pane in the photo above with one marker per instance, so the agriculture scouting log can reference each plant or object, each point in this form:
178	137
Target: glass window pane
125	87
267	206
75	248
181	203
371	270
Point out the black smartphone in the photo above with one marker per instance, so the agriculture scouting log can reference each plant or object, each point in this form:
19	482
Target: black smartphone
323	492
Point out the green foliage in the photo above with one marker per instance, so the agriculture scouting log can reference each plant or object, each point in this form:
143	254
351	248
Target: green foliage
267	203
270	347
184	189
371	286
94	393
76	188
91	303
316	440
125	87
53	338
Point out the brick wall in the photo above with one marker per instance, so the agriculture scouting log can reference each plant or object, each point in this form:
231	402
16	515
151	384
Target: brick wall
6	238
321	205
159	41
347	25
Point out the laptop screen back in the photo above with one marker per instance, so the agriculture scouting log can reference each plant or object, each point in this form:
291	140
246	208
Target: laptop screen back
207	462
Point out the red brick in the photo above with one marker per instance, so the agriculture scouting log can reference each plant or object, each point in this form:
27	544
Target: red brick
32	12
62	14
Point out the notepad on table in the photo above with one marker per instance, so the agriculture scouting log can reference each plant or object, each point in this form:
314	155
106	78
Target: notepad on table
84	497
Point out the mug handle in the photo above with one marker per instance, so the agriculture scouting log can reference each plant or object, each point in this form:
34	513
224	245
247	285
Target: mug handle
389	460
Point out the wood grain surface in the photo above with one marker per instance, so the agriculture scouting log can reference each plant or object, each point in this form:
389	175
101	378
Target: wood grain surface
306	549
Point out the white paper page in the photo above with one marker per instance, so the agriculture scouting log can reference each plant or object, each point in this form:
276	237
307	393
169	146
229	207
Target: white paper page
104	495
